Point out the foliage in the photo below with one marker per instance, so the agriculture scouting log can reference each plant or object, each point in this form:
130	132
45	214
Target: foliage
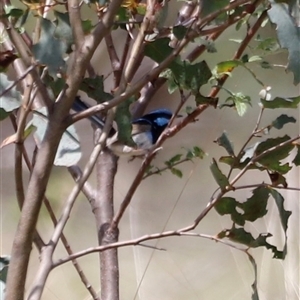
53	66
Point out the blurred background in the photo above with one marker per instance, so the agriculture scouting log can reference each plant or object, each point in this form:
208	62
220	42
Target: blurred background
190	267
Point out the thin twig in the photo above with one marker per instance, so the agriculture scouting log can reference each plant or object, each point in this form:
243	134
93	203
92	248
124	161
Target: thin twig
260	156
87	189
24	51
160	170
136	53
248	139
138	241
15	82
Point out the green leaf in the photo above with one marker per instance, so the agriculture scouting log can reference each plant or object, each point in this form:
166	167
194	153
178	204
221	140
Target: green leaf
255	207
94	88
176	172
158	50
189	76
200	99
272	160
4	262
225	67
245	58
63	30
223	141
176	158
180	31
250	210
225	205
280	102
240	101
249	152
279	122
123	119
266	44
240	235
23	19
209	44
87	26
30	128
254	284
296	160
228	206
184	74
172	84
233	162
12	11
11	100
288	34
49	50
68	152
277	179
192	76
208	7
284	216
195	152
3	114
56	85
220	178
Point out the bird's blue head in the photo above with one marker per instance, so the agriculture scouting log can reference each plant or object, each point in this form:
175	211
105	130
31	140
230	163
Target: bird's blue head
159	120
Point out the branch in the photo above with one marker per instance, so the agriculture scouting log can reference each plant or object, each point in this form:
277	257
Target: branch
138	241
24	52
46	257
21	77
44	161
75	22
136	54
87	189
254	132
114	59
160	170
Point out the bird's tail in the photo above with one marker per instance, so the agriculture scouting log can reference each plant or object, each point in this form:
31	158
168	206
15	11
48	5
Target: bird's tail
79	105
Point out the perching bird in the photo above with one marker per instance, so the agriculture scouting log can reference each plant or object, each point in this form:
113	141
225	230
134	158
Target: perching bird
145	130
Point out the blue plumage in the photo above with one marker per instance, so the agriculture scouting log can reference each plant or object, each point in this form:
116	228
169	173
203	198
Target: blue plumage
158	121
145	130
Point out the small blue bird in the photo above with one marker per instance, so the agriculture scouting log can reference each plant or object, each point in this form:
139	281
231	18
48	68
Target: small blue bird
145	130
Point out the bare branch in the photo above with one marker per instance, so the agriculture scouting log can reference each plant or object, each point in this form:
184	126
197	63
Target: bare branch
24	51
46	257
75	21
87	189
15	82
114	59
45	158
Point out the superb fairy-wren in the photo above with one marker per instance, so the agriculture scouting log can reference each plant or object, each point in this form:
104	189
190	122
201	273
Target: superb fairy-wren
145	130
